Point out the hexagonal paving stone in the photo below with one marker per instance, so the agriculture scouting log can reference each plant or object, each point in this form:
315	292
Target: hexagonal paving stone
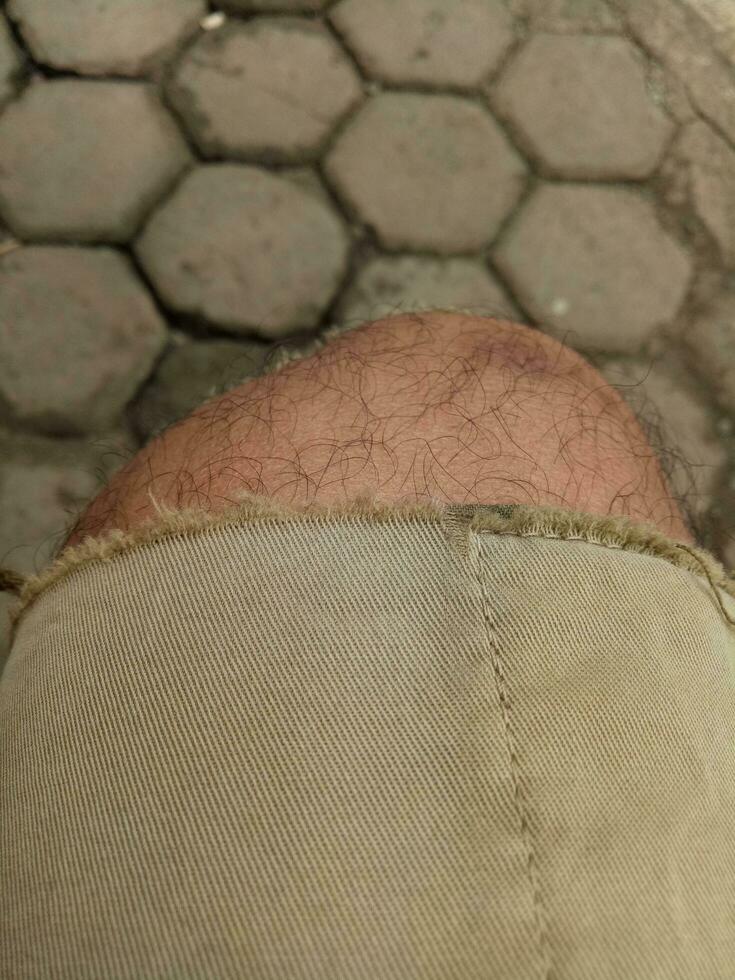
701	171
398	284
11	62
688	441
39	503
581	105
436	42
123	37
245	249
711	340
427	171
271	88
78	334
719	15
192	372
84	160
594	260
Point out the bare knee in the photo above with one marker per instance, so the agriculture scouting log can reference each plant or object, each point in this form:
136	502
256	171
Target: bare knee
439	405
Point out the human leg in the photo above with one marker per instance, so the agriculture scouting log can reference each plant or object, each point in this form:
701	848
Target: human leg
436	405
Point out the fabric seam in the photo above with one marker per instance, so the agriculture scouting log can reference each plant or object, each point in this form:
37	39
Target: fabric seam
521	805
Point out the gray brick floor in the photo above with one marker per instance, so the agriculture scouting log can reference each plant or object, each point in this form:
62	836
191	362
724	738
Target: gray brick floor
186	185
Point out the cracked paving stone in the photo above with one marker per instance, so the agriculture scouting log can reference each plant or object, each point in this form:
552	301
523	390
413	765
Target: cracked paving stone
100	37
594	261
711	342
269	88
189	374
429	172
246	250
701	171
44	485
435	42
688	443
38	504
11	62
78	335
566	16
669	92
582	106
399	284
84	160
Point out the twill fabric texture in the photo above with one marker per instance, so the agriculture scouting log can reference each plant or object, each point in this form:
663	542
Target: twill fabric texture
348	748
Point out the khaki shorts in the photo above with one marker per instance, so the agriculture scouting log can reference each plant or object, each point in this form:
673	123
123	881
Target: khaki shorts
371	741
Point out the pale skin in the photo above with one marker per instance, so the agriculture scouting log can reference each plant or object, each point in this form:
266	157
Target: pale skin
444	406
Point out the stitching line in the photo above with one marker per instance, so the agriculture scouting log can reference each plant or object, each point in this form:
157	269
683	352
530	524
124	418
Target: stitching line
623	547
540	917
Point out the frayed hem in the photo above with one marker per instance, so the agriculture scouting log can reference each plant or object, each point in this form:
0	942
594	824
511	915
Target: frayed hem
457	520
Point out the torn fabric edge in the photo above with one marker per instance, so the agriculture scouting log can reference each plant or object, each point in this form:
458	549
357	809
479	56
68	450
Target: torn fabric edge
458	521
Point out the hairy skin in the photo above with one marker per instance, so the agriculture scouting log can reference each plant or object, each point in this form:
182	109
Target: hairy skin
449	406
